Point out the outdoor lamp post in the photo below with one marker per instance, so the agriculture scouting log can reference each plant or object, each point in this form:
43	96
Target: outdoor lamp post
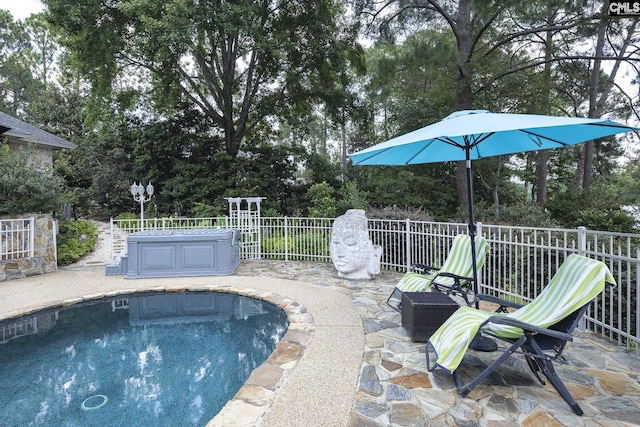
137	191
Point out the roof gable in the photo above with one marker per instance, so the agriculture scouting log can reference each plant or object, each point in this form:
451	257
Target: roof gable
24	132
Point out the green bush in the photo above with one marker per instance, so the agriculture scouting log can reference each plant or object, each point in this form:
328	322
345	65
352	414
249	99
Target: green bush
322	203
607	220
203	210
276	243
27	184
75	240
311	242
598	209
352	198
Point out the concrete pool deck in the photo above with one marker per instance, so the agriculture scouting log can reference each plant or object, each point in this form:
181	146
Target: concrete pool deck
314	368
346	361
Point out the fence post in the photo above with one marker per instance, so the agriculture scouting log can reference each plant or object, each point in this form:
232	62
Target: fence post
286	238
582	241
55	241
260	225
32	237
112	240
407	225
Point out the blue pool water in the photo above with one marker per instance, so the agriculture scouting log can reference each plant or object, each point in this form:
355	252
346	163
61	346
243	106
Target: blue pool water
164	359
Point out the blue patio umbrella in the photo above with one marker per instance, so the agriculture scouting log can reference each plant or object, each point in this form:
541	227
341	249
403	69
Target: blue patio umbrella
475	134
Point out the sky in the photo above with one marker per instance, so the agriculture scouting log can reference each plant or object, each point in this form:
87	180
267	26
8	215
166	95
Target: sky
21	9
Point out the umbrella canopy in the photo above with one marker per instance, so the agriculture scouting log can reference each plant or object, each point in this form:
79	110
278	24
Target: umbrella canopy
475	134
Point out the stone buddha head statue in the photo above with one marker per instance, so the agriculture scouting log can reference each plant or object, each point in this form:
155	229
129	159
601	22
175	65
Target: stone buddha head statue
352	252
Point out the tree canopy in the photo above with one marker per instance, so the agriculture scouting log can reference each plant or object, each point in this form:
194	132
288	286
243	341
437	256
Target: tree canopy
212	99
239	63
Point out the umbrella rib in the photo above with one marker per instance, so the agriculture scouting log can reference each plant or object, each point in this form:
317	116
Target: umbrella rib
374	154
408	162
610	125
448	140
481	138
562	144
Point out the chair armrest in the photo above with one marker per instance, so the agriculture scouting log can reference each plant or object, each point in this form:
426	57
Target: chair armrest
422	268
502	320
458	279
460	285
497	300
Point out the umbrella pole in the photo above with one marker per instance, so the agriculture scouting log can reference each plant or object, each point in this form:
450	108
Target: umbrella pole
479	342
472	227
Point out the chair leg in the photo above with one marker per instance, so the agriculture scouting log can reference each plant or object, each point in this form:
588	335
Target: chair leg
464	390
397	306
430	366
549	372
542	363
533	365
546	367
457	287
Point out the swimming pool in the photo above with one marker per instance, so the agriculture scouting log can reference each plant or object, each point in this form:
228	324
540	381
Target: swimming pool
168	358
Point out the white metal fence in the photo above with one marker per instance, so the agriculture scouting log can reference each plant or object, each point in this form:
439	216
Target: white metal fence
16	238
521	262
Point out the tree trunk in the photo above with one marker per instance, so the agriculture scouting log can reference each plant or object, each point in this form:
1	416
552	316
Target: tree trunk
545	107
577	179
598	95
527	168
541	177
464	94
594	89
494	192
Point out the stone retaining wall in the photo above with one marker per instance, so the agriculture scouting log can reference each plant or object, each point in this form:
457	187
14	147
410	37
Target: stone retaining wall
44	258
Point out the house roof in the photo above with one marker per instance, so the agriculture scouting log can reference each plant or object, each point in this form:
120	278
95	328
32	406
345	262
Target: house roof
17	130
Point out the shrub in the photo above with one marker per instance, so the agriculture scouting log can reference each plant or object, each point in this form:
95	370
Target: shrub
310	242
75	240
352	198
322	203
396	213
27	184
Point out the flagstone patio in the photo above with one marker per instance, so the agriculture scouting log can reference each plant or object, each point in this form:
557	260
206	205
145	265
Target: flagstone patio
396	389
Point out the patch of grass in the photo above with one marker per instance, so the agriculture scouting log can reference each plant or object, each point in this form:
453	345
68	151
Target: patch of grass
75	240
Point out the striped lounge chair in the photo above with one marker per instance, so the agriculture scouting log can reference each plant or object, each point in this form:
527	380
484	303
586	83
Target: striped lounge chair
455	276
538	330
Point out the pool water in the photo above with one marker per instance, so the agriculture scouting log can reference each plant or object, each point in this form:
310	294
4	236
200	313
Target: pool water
164	359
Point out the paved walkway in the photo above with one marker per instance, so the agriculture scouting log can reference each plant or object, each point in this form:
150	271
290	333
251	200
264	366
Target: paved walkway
346	361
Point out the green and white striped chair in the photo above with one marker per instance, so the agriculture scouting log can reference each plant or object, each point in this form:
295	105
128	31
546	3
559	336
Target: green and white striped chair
454	277
539	329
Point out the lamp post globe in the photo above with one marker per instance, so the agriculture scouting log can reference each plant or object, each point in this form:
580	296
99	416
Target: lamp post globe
137	191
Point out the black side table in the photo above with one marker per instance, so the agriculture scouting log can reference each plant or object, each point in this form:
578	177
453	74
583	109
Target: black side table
424	312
